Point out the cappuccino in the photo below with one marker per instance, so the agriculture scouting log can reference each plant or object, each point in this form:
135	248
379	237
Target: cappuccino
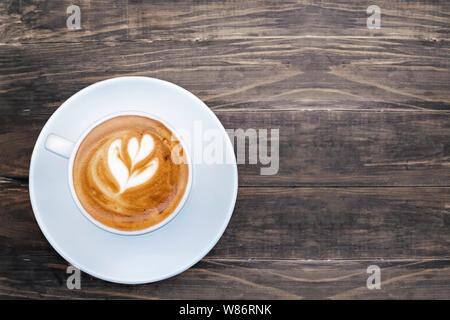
130	172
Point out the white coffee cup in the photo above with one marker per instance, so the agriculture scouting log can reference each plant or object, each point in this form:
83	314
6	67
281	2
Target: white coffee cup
68	150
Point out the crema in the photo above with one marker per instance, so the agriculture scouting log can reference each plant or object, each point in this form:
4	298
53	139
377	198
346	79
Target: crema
130	172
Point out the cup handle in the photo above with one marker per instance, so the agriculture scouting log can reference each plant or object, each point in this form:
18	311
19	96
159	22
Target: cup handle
58	145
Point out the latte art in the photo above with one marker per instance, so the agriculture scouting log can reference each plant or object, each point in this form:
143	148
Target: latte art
124	175
128	177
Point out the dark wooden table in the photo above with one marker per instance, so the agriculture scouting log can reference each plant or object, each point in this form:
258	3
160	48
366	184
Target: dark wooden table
364	118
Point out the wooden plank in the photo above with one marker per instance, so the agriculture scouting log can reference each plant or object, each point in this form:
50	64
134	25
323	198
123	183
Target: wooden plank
292	223
311	69
316	148
329	148
249	74
45	277
45	21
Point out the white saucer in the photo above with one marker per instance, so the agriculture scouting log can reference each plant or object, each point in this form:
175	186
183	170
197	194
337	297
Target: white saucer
154	256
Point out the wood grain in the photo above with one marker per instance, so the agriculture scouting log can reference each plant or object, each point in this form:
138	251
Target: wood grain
293	223
232	54
317	148
31	21
286	246
256	74
44	277
364	138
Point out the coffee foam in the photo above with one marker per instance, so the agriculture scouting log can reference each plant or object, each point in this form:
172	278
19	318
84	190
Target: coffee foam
124	175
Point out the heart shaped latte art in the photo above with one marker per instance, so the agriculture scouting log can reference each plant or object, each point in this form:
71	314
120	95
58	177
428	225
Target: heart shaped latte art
137	151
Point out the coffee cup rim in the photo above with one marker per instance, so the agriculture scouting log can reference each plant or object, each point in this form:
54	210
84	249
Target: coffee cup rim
159	225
